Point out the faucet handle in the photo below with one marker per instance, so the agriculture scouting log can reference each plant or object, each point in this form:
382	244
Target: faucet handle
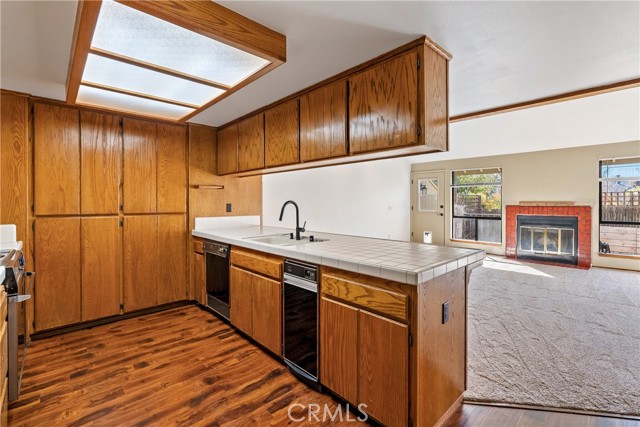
302	229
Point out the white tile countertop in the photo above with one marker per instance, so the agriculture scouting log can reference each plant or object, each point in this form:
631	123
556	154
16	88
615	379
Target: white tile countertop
405	262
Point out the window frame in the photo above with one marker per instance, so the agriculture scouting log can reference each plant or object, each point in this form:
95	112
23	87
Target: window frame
476	218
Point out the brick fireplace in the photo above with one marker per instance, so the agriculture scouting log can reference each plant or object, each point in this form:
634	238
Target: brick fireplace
556	214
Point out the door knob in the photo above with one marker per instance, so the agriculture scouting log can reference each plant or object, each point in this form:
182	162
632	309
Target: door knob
441	214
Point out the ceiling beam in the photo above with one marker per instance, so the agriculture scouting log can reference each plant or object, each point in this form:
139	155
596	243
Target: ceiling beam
567	96
217	22
86	19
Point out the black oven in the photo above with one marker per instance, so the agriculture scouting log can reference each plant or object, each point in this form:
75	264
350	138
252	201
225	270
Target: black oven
300	306
217	272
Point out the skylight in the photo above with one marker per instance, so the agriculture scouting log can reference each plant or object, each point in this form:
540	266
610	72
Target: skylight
140	57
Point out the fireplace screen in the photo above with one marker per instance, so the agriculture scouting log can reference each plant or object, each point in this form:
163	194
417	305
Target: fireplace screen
546	240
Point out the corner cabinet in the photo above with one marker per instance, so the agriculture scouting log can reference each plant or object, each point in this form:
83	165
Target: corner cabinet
394	105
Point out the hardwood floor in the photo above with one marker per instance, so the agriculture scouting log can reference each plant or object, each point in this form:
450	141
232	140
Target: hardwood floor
494	416
177	367
184	367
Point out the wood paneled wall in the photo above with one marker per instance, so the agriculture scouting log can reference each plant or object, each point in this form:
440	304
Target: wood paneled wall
244	194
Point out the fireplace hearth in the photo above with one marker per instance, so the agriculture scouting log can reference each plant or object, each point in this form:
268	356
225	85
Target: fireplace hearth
548	238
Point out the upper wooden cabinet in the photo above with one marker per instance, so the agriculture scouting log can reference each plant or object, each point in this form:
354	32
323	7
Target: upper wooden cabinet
251	143
101	153
172	168
155	167
56	160
281	134
228	150
323	122
393	105
383	105
140	184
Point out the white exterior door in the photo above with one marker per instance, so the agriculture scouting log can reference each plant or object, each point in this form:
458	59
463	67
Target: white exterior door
427	206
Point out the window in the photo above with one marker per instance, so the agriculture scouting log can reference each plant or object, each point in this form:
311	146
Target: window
428	195
620	206
477	205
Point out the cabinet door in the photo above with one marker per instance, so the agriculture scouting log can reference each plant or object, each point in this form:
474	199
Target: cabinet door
101	153
101	262
172	168
383	103
339	348
383	368
281	134
266	301
228	150
58	291
172	242
139	166
323	122
56	160
240	299
140	262
199	278
251	143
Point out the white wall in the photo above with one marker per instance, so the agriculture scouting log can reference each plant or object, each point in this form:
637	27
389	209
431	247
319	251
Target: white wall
372	199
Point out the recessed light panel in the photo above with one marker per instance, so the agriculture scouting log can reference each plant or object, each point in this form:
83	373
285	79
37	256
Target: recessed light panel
128	103
131	33
120	75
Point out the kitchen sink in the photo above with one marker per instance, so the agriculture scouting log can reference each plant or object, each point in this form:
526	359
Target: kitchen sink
283	240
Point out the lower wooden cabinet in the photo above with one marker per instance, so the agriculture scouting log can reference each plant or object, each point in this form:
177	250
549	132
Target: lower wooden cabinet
57	261
154	260
256	307
4	396
199	285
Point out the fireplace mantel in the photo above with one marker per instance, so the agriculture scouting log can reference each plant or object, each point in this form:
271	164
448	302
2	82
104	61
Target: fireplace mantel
583	213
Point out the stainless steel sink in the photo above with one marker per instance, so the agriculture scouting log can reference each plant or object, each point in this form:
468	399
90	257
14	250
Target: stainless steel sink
283	240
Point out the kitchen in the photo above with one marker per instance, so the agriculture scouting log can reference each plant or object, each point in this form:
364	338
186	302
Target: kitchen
142	217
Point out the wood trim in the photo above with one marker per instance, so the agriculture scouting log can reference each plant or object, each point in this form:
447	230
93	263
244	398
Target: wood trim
475	242
156	68
550	409
137	94
567	96
219	23
445	417
86	19
340	76
635	257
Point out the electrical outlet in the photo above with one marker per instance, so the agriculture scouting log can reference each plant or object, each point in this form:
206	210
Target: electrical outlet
445	312
228	207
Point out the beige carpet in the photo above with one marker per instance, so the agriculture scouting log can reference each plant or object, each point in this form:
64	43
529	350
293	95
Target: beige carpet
554	336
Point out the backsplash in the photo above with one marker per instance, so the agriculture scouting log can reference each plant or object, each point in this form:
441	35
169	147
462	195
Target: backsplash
206	223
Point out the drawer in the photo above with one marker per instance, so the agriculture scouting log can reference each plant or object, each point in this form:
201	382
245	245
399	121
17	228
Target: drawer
3	351
383	301
268	265
197	246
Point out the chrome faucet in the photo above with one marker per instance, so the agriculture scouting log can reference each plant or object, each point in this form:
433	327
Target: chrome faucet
298	228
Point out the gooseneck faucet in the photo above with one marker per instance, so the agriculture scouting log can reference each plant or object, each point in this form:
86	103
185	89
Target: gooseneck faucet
298	228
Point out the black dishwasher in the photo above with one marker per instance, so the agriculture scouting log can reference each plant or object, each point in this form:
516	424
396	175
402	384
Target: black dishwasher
217	271
300	303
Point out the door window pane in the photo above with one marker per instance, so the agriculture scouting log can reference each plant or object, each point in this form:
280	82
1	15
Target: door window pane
428	195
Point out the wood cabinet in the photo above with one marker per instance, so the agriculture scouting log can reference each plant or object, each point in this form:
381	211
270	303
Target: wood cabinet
140	262
57	256
281	134
383	105
251	143
4	396
101	252
140	166
199	286
227	151
172	271
172	168
256	296
364	356
101	154
56	160
154	260
323	122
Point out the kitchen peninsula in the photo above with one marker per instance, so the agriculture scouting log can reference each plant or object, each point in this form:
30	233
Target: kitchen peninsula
392	314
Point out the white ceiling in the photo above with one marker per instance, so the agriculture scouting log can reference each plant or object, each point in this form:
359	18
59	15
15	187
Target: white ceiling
503	52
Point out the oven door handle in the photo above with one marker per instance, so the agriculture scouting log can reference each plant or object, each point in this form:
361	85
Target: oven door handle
299	283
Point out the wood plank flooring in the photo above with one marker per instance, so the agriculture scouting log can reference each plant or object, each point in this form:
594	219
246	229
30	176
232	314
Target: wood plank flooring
184	367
